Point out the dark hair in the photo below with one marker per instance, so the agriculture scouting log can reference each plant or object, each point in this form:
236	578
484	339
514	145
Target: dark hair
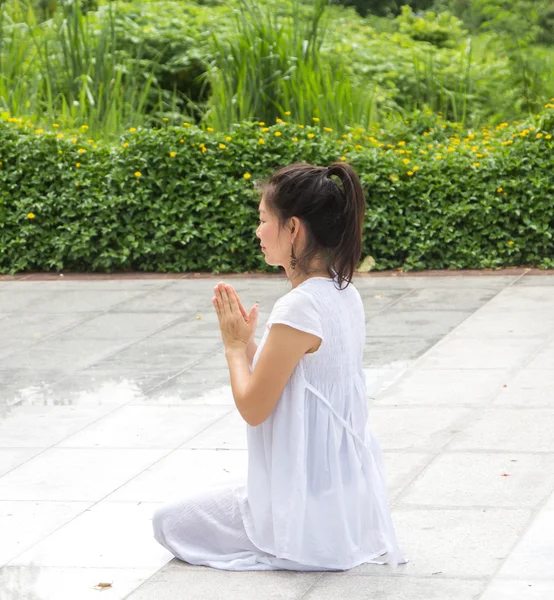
332	210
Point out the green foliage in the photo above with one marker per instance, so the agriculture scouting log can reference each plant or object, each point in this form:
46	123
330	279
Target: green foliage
443	30
181	198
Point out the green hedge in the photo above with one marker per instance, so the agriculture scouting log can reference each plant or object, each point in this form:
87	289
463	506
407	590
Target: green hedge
182	199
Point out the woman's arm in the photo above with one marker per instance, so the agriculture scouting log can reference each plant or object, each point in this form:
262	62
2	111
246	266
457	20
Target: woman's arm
251	349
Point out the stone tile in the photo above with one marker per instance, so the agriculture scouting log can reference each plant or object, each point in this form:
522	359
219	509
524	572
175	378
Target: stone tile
69	474
214	584
379	379
146	427
335	586
415	429
85	285
535	281
424	323
509	429
228	433
533	557
164	300
23	524
68	355
199	392
448	387
132	326
479	353
472	479
158	355
523	299
529	388
185	472
463	298
401	468
96	389
510	325
10	458
69	583
12	301
33	327
480	282
454	542
71	301
118	535
544	359
9	346
382	351
529	589
40	427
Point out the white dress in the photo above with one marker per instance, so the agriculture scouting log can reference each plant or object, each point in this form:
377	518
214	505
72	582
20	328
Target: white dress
315	496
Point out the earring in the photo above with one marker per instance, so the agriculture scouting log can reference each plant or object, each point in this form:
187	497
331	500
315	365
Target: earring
292	259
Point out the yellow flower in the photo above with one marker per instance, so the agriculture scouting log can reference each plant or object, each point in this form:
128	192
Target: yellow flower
222	146
548	137
511	243
294	139
74	140
81	151
499	189
394	177
401	143
247	175
186	124
539	135
416	168
344	135
410	173
287	113
476	164
429	145
327	129
277	133
165	119
228	138
133	129
77	165
423	152
138	174
438	156
201	145
55	125
265	129
173	154
301	126
90	141
39	131
210	128
85	127
406	161
343	158
182	141
125	144
60	136
76	185
60	152
261	123
278	120
30	215
310	135
204	149
358	147
261	141
316	119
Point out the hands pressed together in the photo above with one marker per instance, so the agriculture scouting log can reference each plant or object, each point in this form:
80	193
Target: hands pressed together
237	326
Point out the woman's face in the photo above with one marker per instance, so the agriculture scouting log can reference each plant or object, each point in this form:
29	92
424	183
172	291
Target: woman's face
276	248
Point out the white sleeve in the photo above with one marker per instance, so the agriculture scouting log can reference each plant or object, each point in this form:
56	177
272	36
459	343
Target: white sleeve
297	309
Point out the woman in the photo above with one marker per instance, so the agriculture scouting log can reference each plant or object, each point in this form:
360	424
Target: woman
315	497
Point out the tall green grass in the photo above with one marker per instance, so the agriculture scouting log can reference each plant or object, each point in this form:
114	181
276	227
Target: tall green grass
269	66
68	69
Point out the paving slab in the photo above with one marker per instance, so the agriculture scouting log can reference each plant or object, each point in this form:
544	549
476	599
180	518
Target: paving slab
115	398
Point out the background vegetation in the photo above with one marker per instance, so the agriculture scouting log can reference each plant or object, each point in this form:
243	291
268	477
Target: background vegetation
378	83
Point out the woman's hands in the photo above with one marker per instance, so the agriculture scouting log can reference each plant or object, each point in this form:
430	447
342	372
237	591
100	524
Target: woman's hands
237	326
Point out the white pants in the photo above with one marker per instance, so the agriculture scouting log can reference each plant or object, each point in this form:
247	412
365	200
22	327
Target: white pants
207	529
